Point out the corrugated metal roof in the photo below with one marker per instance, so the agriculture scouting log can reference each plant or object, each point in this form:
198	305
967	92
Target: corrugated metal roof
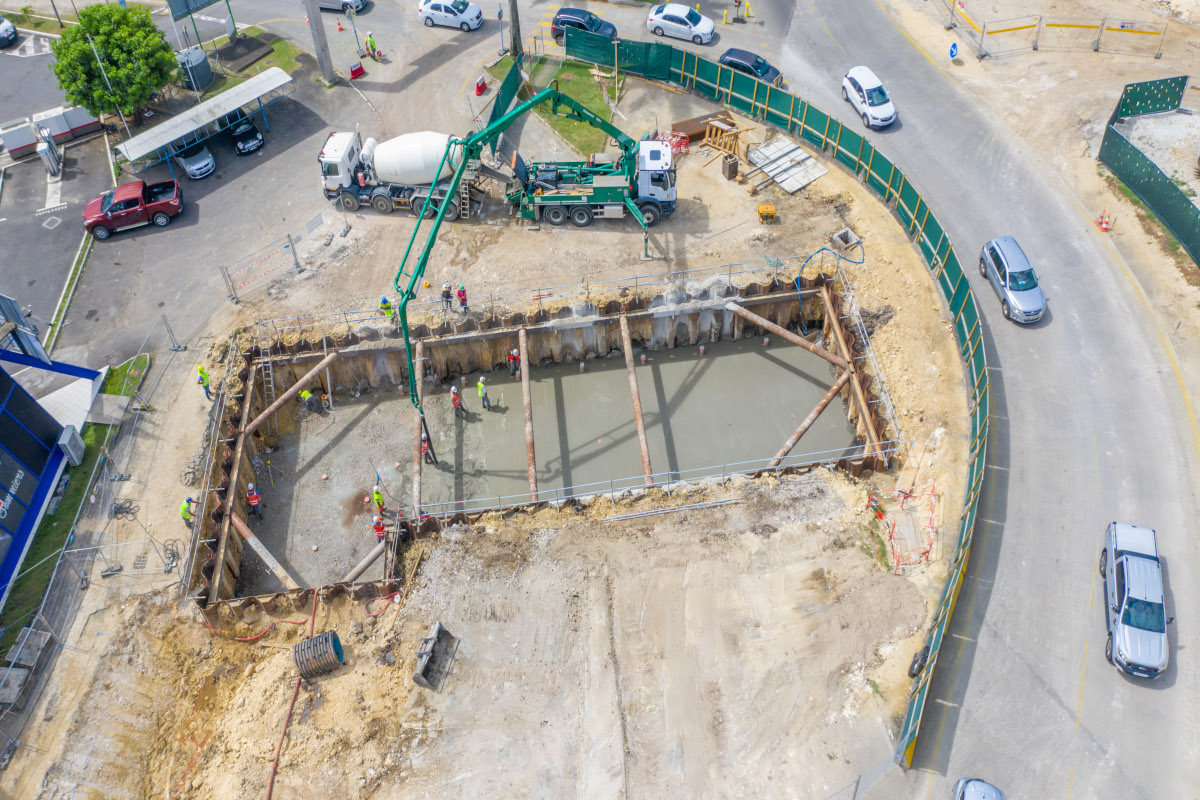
158	137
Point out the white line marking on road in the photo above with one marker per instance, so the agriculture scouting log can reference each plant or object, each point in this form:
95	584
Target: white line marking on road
53	191
48	209
3	219
991	521
51	223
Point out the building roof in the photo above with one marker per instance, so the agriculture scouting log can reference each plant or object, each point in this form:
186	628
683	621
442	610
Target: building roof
207	113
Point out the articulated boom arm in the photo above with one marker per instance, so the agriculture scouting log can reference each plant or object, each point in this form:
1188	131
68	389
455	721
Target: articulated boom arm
472	146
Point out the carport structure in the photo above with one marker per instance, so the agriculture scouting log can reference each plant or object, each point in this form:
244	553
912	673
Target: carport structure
204	121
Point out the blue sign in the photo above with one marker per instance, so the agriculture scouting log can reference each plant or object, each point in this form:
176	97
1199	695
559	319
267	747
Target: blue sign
954	49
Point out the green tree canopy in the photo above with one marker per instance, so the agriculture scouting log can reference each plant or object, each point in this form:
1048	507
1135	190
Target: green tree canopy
137	59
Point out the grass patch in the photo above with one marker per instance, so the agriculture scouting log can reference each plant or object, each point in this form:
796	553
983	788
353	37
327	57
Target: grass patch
60	313
875	546
38	22
134	370
875	688
576	81
48	539
283	54
1150	221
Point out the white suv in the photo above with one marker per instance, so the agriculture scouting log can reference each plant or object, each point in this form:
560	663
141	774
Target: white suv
1133	601
451	13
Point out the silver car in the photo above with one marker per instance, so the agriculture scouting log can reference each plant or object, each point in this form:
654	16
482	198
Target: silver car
1133	601
975	789
196	162
1004	264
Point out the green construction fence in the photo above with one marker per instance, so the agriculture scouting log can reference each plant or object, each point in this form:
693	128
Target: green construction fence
797	117
1155	188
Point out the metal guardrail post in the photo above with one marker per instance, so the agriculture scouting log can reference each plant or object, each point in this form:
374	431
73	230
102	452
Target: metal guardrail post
295	258
1099	35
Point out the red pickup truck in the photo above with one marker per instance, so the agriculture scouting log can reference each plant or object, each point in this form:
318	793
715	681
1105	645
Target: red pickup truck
133	204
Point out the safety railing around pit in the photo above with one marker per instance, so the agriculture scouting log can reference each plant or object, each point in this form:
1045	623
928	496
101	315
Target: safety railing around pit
1041	32
795	116
1156	189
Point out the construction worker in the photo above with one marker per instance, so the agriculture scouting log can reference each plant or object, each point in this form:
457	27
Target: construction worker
202	379
185	511
462	298
255	501
385	306
481	387
455	400
425	449
371	44
307	398
377	496
514	363
377	526
447	303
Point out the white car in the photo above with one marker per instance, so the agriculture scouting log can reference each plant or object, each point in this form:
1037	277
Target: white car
452	13
681	22
864	91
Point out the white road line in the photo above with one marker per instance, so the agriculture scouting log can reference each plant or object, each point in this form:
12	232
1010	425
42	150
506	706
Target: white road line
53	190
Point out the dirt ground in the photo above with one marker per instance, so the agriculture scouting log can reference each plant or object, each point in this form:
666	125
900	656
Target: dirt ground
709	652
659	648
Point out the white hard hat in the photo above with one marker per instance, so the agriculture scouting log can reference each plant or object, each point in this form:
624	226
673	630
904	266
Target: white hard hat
370	33
446	285
377	487
250	487
482	379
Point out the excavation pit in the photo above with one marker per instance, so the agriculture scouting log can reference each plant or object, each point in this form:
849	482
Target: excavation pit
722	384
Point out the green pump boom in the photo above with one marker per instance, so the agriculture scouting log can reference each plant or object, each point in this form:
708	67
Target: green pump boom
472	147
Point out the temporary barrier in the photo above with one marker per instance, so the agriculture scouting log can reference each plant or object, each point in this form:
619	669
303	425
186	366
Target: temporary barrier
1156	189
800	118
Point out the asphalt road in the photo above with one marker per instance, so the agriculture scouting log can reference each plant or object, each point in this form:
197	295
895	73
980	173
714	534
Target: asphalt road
1089	425
26	83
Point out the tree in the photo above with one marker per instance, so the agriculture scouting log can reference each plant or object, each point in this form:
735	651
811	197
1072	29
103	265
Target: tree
137	59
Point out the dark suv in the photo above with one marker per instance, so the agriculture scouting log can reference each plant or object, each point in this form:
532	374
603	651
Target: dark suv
581	19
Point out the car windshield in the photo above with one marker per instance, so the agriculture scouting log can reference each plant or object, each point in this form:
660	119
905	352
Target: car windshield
1145	615
760	66
693	17
192	152
590	21
877	96
459	6
1022	281
105	202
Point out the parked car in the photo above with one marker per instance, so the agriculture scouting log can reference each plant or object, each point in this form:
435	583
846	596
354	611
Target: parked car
244	133
8	32
1133	601
753	65
1006	267
130	205
680	22
975	789
341	6
581	19
452	13
196	162
863	90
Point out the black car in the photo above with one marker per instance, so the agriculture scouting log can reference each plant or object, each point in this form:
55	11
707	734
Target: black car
244	133
752	65
579	18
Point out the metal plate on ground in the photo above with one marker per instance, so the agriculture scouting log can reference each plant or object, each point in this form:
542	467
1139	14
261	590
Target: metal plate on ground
787	163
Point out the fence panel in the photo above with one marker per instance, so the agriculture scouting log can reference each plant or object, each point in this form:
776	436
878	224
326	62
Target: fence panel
1009	35
1069	33
1152	97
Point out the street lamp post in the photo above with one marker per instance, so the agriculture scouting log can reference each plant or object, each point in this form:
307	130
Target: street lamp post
500	18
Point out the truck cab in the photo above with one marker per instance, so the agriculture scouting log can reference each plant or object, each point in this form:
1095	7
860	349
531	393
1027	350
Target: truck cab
338	158
131	205
656	175
1133	601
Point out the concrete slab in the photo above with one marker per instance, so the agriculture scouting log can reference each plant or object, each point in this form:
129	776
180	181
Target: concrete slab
108	409
735	404
72	404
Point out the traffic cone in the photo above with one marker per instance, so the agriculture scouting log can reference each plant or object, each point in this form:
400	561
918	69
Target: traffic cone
1103	221
339	24
306	19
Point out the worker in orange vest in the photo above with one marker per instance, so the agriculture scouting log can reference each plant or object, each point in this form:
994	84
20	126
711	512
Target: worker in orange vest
377	526
455	400
425	449
255	501
514	362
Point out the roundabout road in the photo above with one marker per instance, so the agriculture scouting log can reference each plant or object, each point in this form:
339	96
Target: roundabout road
1090	424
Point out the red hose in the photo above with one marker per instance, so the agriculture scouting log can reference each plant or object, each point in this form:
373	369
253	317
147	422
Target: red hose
312	621
366	606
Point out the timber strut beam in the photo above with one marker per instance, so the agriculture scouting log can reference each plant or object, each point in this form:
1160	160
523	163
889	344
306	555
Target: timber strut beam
627	346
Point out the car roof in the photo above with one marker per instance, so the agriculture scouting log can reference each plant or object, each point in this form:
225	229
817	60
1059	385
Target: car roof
1135	539
740	55
675	8
128	191
865	77
976	789
1014	257
1143	579
573	12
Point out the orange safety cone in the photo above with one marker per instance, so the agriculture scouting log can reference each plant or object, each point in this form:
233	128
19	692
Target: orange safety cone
339	24
480	85
1103	221
306	19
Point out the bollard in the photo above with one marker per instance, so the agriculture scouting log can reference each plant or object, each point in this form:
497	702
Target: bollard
582	366
766	340
701	349
643	358
724	17
464	380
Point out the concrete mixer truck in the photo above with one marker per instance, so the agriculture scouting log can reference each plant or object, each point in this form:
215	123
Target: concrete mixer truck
399	173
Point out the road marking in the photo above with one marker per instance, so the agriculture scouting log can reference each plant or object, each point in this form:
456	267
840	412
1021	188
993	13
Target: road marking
1070	783
3	219
48	209
51	223
1082	676
828	32
53	191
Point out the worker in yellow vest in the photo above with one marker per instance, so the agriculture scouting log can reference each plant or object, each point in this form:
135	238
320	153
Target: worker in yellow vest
185	511
481	388
202	379
385	306
307	398
377	496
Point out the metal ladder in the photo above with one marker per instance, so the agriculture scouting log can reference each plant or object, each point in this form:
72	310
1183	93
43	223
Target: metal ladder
268	375
464	191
